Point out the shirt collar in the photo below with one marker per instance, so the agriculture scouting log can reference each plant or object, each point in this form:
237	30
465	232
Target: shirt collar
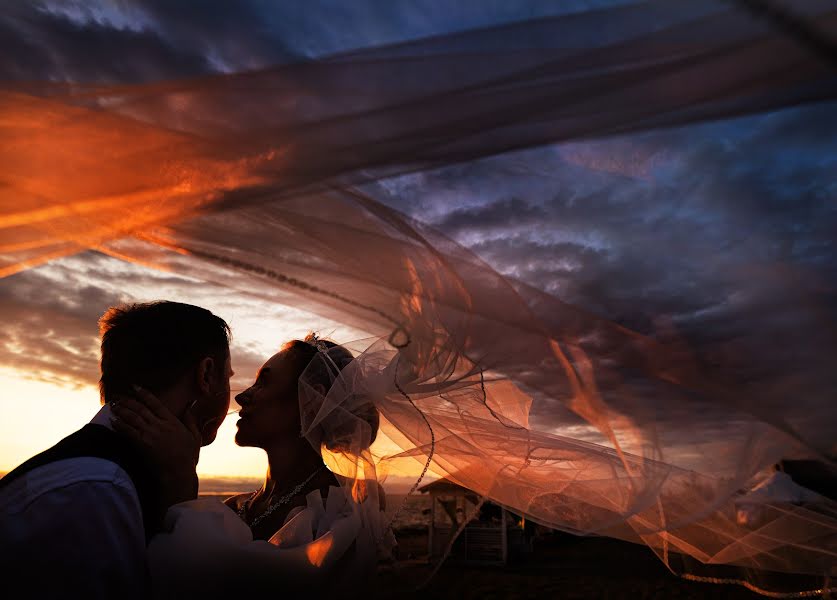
103	417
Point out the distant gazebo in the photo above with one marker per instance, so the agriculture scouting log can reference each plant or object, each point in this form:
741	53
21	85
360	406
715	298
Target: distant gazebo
491	537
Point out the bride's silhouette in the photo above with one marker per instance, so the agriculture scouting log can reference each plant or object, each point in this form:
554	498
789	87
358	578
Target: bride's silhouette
324	528
270	419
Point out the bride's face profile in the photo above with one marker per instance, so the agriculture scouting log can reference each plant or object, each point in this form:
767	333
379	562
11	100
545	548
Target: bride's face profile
269	408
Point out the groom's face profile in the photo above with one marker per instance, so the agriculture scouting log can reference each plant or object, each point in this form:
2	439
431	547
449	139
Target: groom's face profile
213	401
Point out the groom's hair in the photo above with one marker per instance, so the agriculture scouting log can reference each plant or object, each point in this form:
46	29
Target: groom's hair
154	344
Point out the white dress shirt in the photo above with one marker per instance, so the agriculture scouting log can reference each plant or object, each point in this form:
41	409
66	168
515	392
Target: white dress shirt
80	518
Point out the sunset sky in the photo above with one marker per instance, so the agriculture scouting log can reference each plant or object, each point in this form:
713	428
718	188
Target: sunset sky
591	222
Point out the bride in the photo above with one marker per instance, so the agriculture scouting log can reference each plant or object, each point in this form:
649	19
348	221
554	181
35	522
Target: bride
307	528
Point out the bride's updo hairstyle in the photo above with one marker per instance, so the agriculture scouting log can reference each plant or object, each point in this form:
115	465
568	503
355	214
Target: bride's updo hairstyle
333	413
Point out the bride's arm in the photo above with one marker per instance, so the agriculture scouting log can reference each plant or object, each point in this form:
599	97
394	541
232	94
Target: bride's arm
207	549
233	502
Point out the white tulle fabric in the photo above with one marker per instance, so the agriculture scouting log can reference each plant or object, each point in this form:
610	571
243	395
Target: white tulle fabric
206	550
251	180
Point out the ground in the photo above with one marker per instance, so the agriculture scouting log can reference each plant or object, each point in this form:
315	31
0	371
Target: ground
569	568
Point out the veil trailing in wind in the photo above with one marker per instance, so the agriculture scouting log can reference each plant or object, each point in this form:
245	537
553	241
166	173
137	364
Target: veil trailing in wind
255	180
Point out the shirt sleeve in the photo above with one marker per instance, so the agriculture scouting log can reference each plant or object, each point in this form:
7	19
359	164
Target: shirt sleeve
83	540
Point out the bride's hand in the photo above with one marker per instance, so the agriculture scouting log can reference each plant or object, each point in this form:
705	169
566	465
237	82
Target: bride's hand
172	445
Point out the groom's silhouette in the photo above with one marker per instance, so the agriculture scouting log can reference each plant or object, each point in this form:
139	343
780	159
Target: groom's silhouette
75	519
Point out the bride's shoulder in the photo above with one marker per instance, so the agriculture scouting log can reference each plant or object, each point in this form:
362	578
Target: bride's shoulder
234	502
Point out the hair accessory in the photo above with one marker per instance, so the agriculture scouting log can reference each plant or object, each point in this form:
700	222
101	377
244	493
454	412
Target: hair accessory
317	343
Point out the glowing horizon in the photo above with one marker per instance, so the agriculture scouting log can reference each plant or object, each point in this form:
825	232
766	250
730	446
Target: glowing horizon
60	409
45	400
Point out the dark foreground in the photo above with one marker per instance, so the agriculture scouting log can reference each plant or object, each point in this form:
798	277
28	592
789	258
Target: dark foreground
566	567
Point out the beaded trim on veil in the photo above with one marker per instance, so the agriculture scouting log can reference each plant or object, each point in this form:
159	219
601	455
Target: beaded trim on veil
271	183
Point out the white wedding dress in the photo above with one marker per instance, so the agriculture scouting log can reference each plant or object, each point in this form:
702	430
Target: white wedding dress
206	550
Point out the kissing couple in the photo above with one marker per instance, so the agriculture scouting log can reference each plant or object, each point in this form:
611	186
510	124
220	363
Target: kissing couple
112	509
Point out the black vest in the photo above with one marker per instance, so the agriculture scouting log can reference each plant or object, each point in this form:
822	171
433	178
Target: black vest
98	441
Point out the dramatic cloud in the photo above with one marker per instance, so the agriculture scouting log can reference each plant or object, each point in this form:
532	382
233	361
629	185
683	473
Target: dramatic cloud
712	203
724	232
50	330
37	43
136	41
50	317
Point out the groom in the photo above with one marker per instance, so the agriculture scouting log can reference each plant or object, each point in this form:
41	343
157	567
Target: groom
75	519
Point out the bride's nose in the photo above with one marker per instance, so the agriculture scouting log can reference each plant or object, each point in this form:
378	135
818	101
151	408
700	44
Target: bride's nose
243	397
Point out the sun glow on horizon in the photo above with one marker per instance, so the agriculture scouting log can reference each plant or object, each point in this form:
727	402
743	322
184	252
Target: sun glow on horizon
43	405
44	412
40	413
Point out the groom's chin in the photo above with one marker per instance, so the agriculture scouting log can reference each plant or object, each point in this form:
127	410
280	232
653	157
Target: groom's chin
209	431
241	440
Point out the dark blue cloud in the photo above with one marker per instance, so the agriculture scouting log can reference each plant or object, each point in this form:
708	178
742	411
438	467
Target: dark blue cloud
727	229
664	223
37	44
142	40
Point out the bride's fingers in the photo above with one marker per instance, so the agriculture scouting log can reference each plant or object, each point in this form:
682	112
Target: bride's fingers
129	429
124	405
160	410
131	412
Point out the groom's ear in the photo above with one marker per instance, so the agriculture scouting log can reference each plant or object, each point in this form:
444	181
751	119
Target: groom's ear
205	374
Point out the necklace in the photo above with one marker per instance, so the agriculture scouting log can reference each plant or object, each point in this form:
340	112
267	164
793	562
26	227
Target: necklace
242	510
